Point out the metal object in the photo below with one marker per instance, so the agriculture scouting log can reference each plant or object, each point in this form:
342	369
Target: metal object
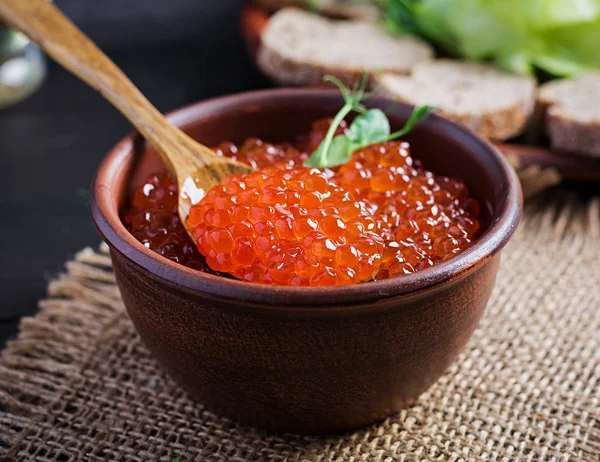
22	67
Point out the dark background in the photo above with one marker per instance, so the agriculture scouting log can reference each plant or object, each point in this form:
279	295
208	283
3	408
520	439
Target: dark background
176	51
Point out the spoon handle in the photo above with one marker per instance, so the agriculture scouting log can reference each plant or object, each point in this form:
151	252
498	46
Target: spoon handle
63	41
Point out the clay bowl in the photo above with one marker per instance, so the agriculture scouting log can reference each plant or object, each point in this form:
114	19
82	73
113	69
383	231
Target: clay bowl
306	359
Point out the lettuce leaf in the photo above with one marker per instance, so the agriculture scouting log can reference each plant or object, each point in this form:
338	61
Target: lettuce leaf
561	37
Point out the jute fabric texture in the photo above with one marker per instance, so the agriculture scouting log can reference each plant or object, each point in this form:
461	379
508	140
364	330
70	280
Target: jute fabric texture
78	385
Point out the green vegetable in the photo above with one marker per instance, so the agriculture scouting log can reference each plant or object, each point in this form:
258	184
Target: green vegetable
419	114
325	156
369	127
561	37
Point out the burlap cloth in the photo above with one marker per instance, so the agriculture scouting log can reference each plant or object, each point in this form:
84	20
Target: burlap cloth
78	385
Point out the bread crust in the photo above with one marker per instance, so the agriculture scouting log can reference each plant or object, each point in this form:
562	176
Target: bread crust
567	133
284	68
498	123
288	71
502	124
571	135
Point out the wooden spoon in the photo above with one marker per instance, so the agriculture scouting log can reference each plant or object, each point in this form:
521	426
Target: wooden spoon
196	167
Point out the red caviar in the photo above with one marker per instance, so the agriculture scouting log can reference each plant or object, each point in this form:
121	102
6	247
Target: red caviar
380	215
288	227
423	218
153	220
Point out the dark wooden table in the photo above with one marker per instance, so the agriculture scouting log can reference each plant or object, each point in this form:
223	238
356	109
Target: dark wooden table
51	144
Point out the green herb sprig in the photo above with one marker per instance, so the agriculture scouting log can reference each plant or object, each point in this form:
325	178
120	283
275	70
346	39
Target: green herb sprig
369	127
333	149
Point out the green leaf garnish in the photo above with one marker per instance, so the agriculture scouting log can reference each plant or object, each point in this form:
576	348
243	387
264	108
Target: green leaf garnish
419	114
339	152
321	157
369	127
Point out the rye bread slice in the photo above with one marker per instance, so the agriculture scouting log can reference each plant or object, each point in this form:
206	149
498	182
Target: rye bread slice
361	10
493	103
571	110
299	48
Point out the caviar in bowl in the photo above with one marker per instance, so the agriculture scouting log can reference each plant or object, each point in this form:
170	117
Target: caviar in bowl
379	215
307	358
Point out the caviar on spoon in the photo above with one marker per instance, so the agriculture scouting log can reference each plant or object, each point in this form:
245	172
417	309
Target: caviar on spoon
195	167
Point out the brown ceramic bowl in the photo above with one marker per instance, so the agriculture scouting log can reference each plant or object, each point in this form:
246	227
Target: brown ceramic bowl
306	359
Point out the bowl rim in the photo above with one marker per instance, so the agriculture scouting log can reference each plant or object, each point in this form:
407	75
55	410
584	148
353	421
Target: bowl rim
194	283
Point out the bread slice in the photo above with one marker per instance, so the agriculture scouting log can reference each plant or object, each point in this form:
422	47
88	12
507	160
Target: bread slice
571	109
495	104
299	48
362	10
